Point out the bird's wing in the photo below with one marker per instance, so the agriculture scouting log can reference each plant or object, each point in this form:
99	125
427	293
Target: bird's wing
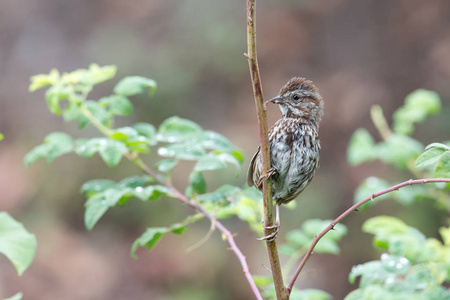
251	169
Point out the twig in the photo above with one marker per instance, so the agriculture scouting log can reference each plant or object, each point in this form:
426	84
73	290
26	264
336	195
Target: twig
264	150
350	210
177	194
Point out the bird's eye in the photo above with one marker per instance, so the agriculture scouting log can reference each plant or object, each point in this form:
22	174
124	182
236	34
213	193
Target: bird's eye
296	96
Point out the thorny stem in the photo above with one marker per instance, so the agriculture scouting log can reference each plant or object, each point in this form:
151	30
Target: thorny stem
177	194
264	150
350	210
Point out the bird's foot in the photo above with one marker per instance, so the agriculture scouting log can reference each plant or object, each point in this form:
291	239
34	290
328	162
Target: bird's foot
264	176
271	237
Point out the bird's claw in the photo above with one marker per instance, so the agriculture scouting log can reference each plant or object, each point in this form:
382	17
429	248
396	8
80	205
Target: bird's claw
266	175
270	237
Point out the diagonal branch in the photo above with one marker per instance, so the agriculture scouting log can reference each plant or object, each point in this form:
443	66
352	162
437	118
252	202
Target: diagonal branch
264	142
350	210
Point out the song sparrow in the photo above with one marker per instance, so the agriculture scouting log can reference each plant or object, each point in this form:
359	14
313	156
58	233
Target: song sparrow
294	144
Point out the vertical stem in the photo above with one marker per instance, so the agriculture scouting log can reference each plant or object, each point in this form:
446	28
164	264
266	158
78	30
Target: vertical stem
264	150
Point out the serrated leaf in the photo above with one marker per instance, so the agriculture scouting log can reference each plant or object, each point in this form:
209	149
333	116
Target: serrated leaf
152	192
133	85
112	151
360	148
429	157
55	144
176	129
87	148
166	165
97	205
443	165
98	111
197	182
16	243
215	141
224	193
42	80
54	95
384	225
149	238
118	105
184	151
72	112
97	185
135	181
418	105
216	161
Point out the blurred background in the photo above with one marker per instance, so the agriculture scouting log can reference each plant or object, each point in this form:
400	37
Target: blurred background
358	53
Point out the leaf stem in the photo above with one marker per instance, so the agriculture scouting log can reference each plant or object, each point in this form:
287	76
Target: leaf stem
264	150
350	210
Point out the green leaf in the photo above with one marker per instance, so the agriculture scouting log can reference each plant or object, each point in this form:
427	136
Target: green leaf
72	112
166	165
55	144
222	194
135	181
54	95
262	281
99	74
176	129
152	192
112	151
445	234
443	166
148	239
215	141
370	186
17	296
361	148
198	182
96	186
42	80
16	243
438	145
215	161
429	157
185	151
298	238
119	105
1	137
97	205
418	105
384	225
133	85
399	150
99	112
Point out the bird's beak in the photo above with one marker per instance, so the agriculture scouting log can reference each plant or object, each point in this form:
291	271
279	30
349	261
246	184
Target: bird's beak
277	100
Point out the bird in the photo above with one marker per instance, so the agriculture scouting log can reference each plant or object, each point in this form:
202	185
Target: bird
294	145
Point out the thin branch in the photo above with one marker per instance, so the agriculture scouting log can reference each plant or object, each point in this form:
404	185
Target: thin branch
264	150
350	210
177	194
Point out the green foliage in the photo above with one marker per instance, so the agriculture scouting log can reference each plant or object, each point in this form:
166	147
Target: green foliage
436	159
414	267
301	239
176	139
418	106
402	151
16	243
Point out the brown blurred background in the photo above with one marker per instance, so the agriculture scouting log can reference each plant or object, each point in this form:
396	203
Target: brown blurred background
357	52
